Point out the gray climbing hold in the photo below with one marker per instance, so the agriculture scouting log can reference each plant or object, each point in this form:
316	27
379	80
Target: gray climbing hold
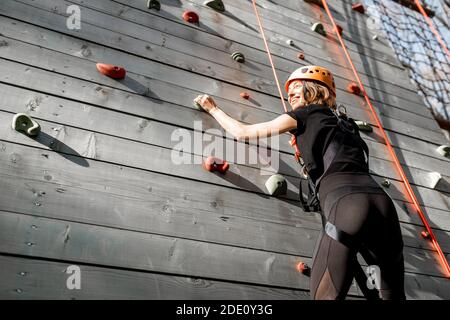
276	185
363	126
197	106
23	122
375	37
444	150
154	4
238	57
386	183
319	28
215	4
434	178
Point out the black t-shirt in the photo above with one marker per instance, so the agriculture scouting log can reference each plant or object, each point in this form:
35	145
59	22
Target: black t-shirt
316	126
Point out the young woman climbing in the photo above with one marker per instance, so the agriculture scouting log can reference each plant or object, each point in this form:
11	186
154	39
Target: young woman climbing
357	214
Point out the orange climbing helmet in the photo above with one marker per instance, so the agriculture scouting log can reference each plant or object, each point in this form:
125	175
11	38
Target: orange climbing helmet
314	73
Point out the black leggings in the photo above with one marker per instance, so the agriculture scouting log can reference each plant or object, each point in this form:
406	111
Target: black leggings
367	213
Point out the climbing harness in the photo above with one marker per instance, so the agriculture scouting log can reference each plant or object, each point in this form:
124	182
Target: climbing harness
409	189
345	127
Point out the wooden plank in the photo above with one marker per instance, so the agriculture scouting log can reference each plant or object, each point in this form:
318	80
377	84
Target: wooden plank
180	59
19	277
96	146
18	100
123	125
162	92
174	206
107	283
399	98
281	53
134	154
63	240
141	85
275	24
146	252
423	179
278	22
360	25
342	14
173	26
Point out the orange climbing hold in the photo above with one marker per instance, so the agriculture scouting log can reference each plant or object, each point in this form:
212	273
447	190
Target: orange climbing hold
353	88
245	95
112	71
425	234
358	7
302	267
191	17
215	164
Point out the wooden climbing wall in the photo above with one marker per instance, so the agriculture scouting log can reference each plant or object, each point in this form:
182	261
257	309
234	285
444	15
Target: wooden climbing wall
97	188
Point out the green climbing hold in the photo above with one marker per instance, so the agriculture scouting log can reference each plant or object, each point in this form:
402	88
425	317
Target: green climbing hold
363	126
199	107
276	185
386	183
238	57
444	150
319	28
153	4
215	4
23	122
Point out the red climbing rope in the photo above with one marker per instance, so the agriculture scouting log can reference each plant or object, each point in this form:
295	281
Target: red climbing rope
411	194
433	29
293	141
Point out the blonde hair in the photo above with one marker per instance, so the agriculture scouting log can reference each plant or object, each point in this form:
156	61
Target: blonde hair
315	93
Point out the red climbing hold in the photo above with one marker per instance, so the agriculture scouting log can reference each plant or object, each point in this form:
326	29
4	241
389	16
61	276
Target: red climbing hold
245	95
425	234
215	164
112	71
339	28
191	17
302	267
301	56
354	88
358	7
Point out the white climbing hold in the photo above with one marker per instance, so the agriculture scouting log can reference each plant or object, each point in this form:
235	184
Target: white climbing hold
434	178
276	185
290	42
444	150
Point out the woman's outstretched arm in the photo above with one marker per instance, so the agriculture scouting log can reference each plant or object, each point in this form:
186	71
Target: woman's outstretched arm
241	131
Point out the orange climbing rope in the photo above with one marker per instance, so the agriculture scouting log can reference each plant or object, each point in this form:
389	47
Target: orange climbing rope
409	189
433	29
293	141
